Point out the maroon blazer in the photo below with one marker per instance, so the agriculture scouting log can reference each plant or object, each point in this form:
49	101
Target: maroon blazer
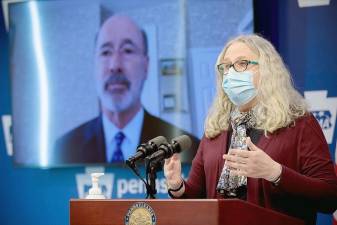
308	181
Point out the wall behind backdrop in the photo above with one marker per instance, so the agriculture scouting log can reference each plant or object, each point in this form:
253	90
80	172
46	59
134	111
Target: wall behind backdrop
305	37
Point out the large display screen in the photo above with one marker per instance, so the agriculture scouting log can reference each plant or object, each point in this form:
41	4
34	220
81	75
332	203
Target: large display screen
91	80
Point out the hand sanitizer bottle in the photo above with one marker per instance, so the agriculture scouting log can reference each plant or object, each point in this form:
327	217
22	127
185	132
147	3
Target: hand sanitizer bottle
95	191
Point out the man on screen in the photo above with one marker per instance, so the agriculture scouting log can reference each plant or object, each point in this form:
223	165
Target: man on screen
121	66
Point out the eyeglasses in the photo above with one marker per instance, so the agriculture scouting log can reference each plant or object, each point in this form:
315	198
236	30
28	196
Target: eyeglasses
239	66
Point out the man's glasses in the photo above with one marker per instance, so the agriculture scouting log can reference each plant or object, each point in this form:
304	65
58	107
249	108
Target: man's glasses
238	66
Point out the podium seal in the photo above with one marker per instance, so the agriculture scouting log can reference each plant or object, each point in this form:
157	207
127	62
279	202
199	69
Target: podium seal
140	213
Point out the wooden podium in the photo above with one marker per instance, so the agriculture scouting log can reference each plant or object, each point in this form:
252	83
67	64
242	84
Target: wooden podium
178	212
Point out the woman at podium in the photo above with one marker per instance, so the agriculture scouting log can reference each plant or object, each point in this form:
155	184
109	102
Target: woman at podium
261	144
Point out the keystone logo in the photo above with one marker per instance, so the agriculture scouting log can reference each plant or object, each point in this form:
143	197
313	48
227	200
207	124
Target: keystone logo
324	109
7	128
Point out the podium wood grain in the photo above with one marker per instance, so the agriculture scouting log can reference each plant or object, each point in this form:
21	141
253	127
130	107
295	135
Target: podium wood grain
178	212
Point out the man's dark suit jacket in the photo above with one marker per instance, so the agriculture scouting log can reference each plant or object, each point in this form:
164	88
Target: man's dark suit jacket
85	144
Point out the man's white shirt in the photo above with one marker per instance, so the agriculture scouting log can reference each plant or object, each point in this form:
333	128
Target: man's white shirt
132	132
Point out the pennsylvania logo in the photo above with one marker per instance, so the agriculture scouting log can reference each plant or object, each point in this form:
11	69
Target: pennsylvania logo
7	128
324	109
140	213
323	118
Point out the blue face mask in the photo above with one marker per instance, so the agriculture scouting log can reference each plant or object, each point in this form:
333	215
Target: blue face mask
239	86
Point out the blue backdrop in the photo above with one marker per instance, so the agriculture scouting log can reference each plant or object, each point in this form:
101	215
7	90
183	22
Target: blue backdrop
305	37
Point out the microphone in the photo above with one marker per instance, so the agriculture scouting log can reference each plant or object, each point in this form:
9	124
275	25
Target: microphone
177	145
146	149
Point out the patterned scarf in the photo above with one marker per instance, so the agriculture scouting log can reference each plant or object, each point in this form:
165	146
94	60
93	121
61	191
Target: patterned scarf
240	121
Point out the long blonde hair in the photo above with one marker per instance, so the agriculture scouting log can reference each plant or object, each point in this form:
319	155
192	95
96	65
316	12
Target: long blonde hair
279	104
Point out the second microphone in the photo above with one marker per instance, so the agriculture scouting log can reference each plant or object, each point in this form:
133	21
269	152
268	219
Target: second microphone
177	145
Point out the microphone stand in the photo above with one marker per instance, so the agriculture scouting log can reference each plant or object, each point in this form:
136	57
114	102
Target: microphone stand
152	167
133	167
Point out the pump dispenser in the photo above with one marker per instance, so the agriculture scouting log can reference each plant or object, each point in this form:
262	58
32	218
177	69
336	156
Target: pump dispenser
95	191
